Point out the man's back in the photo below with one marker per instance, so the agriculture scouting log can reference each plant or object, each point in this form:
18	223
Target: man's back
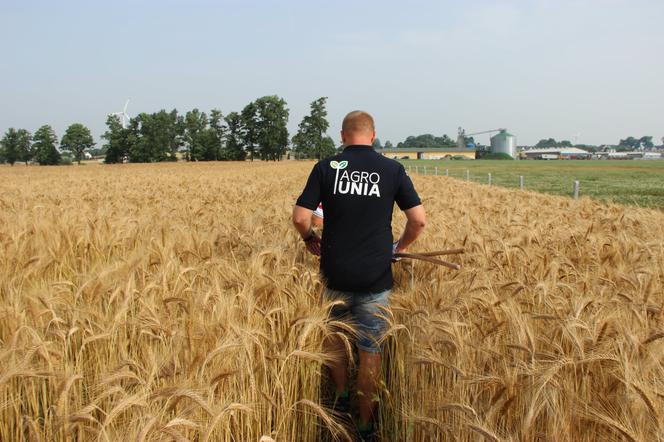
358	189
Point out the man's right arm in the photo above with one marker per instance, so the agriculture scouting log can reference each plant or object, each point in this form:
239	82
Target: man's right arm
303	210
416	220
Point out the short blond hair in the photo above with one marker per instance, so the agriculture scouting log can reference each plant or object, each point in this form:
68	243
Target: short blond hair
358	122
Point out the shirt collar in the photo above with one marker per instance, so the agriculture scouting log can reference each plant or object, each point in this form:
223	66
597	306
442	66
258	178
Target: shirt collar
354	147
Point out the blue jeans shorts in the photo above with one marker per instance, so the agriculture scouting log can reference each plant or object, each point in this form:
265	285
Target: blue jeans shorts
361	310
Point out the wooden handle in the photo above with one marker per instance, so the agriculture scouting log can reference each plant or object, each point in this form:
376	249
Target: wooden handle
442	252
423	257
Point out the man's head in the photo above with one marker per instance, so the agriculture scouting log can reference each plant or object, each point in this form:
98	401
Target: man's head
358	128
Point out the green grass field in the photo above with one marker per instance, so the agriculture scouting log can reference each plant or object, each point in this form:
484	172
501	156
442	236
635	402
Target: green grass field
626	182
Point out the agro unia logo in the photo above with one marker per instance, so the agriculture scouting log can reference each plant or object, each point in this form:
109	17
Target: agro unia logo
355	182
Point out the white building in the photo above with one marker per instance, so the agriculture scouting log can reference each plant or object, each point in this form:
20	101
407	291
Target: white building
559	153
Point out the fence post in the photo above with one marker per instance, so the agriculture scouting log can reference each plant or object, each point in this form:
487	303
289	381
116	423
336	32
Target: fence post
425	170
521	182
435	170
576	190
489	178
447	172
467	175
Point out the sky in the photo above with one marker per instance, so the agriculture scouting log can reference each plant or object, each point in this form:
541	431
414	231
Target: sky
591	71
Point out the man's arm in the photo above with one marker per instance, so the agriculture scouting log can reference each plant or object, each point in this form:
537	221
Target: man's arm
416	221
303	210
302	221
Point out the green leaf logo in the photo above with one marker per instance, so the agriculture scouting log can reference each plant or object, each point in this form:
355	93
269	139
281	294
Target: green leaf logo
338	165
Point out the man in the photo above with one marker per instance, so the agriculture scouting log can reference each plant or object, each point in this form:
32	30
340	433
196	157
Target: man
358	189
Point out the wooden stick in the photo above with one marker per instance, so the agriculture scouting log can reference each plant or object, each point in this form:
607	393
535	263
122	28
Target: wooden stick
441	252
428	259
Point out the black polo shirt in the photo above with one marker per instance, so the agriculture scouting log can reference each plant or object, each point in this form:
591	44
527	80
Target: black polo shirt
358	189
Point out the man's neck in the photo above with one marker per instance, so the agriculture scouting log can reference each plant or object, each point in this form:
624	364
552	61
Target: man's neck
365	144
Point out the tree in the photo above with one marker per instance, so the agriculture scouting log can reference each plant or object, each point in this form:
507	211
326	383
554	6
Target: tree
16	145
216	134
174	126
233	150
155	137
544	143
271	124
142	149
376	144
389	145
25	147
77	139
263	127
117	140
328	147
195	126
310	140
551	142
45	142
248	129
646	142
630	143
204	136
10	146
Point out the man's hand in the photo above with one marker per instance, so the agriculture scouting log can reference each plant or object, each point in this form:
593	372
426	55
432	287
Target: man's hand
313	243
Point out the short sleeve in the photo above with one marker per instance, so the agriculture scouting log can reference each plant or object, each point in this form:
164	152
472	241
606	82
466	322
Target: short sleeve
310	196
406	196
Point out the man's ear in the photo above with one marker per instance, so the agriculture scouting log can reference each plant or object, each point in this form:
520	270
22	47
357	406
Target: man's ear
343	138
373	137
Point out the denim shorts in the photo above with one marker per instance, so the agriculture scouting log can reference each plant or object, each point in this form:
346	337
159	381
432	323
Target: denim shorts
361	310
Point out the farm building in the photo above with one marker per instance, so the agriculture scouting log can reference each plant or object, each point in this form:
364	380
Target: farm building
557	153
636	155
431	153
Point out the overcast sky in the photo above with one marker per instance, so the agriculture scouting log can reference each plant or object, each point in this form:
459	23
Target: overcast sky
541	68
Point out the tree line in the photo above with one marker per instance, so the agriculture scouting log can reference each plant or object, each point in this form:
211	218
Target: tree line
258	131
629	143
427	140
19	145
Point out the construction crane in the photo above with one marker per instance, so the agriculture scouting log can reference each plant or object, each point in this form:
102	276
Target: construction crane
461	139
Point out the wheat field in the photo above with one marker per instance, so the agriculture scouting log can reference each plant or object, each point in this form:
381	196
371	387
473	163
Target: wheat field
176	302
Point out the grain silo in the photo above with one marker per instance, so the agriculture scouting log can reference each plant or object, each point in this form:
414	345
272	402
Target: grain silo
504	142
